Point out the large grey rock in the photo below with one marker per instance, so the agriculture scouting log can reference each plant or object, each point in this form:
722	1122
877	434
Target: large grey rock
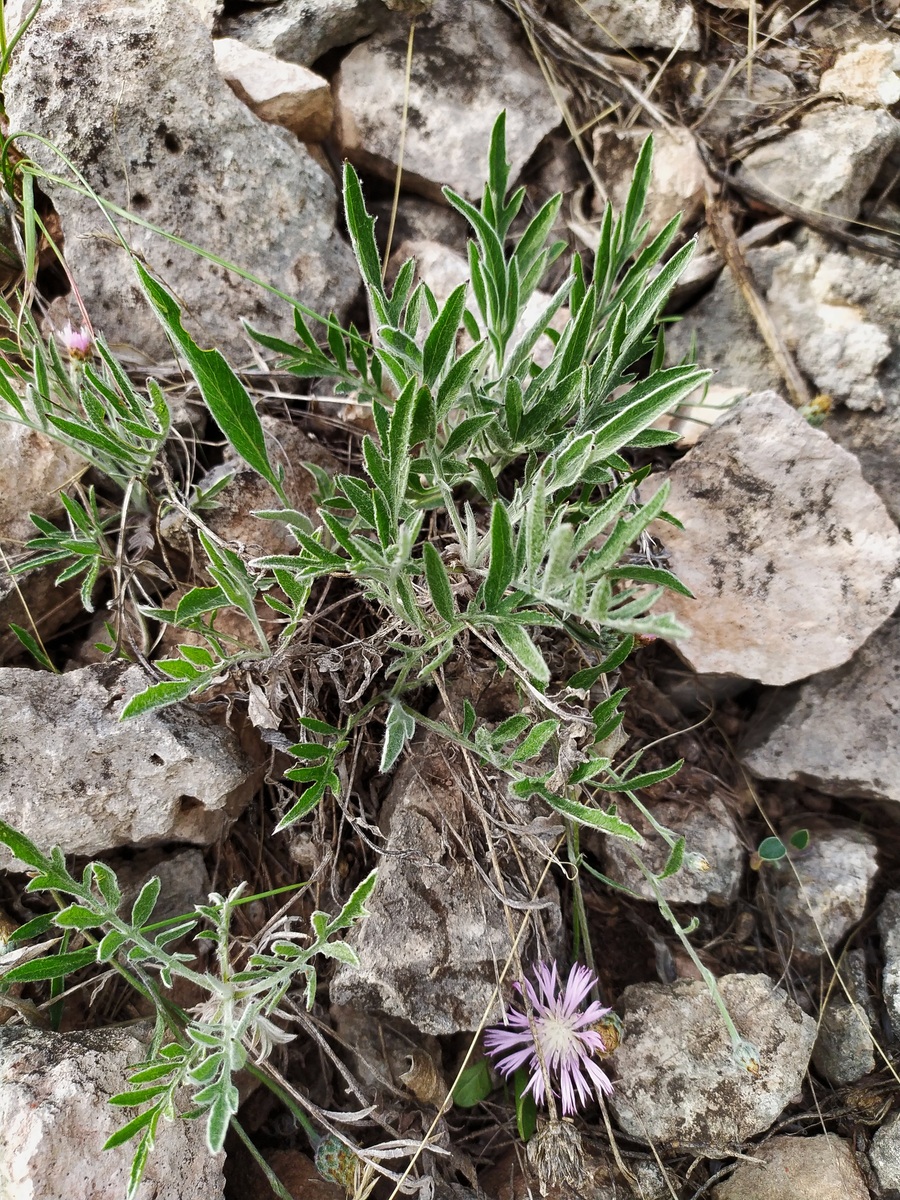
884	1155
55	1117
678	1080
72	774
830	161
469	63
300	31
838	732
792	558
798	1168
823	891
429	949
618	24
131	95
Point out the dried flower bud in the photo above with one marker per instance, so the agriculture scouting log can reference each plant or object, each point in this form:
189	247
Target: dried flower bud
556	1155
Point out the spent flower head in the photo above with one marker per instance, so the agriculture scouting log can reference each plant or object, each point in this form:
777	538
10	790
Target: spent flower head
561	1031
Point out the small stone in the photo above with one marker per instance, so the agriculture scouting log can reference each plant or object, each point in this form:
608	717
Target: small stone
823	890
678	176
300	31
281	92
884	1155
469	63
773	511
865	75
843	1051
183	877
41	467
728	104
708	830
73	775
837	732
798	1168
622	24
55	1116
889	929
830	162
679	1082
130	94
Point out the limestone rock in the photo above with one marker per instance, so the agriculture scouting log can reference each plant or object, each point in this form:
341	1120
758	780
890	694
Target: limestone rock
678	176
300	31
798	1168
843	1051
429	948
823	890
837	311
40	468
72	774
792	558
678	1080
470	62
281	92
837	732
130	93
182	874
830	162
865	75
889	929
618	24
708	829
873	438
55	1117
884	1155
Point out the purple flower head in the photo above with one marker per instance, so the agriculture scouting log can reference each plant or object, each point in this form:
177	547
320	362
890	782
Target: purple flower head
78	342
563	1028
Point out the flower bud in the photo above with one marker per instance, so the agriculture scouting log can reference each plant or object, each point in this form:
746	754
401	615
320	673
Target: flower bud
78	343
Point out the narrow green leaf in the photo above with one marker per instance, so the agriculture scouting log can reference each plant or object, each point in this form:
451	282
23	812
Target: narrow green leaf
145	902
224	394
674	861
32	645
158	695
438	583
523	649
503	558
54	967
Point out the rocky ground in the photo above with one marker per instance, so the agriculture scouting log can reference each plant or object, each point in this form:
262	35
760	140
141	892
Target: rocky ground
777	131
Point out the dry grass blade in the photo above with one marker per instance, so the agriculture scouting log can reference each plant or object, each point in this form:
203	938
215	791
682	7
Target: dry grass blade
721	228
822	222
